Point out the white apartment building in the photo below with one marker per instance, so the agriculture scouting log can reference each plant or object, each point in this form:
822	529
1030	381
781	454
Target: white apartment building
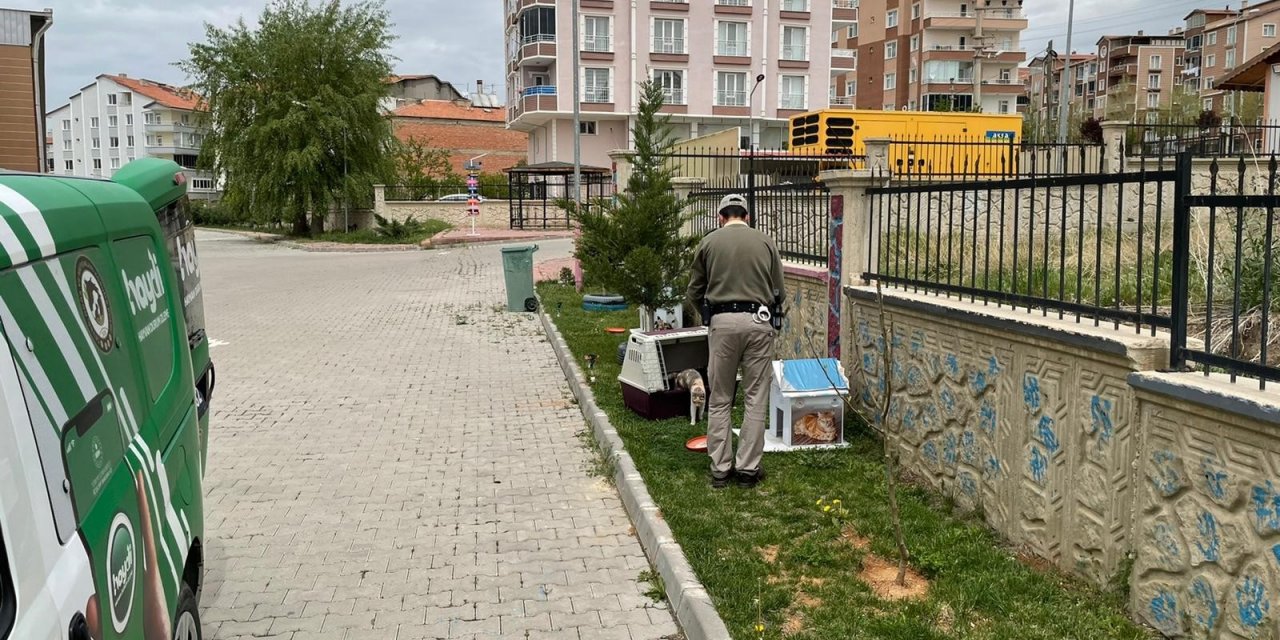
117	119
706	54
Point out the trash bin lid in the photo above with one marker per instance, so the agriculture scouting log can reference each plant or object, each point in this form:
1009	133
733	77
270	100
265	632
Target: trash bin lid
529	247
799	376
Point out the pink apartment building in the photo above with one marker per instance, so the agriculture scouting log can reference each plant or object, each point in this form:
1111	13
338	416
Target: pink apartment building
705	54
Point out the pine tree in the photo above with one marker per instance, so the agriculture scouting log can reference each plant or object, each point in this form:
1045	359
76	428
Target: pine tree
634	246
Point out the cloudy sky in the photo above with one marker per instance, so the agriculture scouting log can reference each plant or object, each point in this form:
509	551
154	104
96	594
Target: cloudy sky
459	40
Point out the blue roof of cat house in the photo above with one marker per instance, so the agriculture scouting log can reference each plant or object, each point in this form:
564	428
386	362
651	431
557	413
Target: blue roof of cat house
801	376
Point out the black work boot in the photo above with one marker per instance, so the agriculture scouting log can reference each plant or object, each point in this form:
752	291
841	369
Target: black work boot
720	481
749	479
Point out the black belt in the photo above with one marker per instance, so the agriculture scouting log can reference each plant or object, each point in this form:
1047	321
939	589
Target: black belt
734	307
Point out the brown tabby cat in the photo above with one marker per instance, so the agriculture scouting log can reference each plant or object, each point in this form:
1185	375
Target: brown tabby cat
818	427
691	380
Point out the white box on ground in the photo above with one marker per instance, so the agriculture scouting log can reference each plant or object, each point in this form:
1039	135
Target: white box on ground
805	405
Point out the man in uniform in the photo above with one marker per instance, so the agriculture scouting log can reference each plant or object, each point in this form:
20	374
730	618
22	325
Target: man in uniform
736	277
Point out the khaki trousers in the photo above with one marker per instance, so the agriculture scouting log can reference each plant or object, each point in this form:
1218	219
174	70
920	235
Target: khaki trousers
736	339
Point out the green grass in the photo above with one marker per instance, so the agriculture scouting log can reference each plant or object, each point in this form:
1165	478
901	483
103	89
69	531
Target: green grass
979	591
369	236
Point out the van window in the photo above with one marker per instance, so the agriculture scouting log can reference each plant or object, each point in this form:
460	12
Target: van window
8	600
147	299
180	233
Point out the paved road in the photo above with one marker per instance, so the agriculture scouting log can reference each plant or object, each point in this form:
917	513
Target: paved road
392	457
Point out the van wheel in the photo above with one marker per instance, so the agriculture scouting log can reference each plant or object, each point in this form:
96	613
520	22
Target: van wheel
186	626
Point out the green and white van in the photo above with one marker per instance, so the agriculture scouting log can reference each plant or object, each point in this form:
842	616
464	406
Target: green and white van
105	383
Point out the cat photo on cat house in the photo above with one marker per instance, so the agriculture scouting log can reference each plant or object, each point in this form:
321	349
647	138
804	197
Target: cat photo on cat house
806	404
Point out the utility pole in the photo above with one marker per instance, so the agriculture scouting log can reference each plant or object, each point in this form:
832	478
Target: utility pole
577	111
980	50
1064	90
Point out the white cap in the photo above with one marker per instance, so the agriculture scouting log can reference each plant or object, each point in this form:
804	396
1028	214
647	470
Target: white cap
732	200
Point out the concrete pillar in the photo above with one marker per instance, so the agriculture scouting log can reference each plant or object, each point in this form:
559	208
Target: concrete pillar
1113	147
857	249
380	199
877	150
621	168
682	188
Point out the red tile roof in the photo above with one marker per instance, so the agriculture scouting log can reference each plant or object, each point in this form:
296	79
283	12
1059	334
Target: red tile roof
163	94
463	141
450	110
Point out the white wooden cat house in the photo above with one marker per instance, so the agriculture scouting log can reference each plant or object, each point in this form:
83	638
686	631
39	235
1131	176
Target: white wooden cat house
805	405
653	360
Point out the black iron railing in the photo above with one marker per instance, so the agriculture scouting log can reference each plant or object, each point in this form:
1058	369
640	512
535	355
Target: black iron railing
445	192
1151	248
1204	140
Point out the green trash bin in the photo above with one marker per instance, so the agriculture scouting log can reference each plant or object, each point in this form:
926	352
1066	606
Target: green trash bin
517	269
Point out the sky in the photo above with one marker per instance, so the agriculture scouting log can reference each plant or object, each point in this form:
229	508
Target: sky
458	40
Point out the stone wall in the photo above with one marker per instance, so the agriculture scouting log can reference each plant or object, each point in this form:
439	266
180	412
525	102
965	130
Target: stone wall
494	214
804	329
1029	420
1208	526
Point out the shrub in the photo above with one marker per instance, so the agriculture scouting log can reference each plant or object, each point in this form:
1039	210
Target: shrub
398	229
212	214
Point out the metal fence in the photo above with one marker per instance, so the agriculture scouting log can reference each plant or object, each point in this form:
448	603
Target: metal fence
1204	140
1136	248
448	191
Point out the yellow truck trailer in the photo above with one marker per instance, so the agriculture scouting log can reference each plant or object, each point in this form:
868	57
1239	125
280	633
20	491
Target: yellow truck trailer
925	141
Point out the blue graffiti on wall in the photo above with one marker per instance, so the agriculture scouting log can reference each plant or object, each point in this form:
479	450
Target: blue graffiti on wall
1275	551
1100	410
1201	593
953	365
1207	541
987	417
1164	611
969	448
948	400
1215	478
949	450
1165	476
978	382
1039	466
1046	435
992	469
915	377
1266	508
1031	392
930	451
917	341
1251	602
993	366
1167	544
968	485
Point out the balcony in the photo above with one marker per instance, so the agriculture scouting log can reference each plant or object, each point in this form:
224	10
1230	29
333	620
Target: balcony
731	98
844	13
736	48
534	101
843	102
994	20
674	97
1003	87
597	44
794	101
1129	69
595	94
669	45
795	53
843	61
538	48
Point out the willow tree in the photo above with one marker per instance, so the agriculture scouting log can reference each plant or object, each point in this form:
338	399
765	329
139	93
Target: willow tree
294	104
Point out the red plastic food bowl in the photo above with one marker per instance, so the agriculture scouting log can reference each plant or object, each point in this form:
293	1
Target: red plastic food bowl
697	444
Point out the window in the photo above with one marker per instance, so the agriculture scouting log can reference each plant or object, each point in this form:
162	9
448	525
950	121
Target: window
1006	75
595	33
851	88
111	98
731	39
795	5
151	117
672	83
1208	83
186	118
1153	81
1155	62
538	24
1213	38
70	166
1153	100
731	89
97	163
115	163
130	139
793	92
115	142
596	85
1211	60
890	50
206	184
889	106
113	121
964	9
913	76
915	11
1231	35
1004	106
668	36
1229	59
66	125
891	19
1268	31
128	119
915	43
93	122
1208	104
795	43
66	144
97	143
587	127
890	81
852	31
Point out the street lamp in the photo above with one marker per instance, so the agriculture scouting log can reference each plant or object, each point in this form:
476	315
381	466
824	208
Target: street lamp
751	150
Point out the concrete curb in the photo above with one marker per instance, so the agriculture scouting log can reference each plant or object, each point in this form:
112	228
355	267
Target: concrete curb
693	607
324	247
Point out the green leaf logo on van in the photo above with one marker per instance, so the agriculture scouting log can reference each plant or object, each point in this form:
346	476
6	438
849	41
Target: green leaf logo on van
122	567
94	308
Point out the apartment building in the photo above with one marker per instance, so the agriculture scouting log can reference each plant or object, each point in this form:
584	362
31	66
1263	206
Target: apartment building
705	54
22	89
1044	84
117	119
934	55
1138	74
1223	40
